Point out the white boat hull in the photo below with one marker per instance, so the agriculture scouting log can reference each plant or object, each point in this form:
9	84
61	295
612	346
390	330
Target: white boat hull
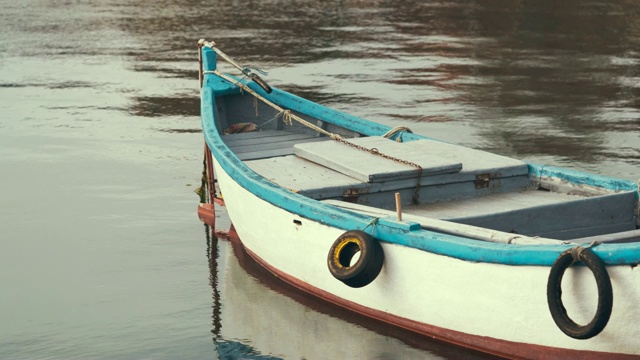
495	308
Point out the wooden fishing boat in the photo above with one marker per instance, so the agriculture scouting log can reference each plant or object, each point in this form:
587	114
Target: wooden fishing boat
450	242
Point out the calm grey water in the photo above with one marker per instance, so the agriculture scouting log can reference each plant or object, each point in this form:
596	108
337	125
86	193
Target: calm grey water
101	251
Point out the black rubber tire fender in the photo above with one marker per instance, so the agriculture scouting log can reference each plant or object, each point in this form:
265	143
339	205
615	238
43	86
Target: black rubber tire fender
605	293
368	265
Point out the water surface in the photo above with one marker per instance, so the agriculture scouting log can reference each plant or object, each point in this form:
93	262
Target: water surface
101	253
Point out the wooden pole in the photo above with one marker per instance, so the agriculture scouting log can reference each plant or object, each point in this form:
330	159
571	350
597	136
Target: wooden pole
399	206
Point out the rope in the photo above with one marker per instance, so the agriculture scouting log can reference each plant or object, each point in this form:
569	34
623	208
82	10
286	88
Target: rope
395	130
286	114
286	117
372	223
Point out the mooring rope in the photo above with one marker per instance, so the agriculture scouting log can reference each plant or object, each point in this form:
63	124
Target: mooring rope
396	130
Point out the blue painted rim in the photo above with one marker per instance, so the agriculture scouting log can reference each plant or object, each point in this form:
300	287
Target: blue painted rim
387	231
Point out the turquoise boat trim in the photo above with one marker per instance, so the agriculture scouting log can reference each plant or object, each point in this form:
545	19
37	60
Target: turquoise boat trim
386	231
581	178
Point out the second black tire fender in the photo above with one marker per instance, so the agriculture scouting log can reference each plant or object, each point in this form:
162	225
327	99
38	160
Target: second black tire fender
605	293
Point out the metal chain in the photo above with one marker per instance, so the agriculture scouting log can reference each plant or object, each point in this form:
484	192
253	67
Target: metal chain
416	192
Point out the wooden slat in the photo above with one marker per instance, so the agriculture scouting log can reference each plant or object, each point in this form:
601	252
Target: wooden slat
592	231
254	135
305	177
472	207
265	144
625	236
265	154
235	143
272	146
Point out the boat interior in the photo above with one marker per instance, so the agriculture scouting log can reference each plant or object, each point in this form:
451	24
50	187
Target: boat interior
436	180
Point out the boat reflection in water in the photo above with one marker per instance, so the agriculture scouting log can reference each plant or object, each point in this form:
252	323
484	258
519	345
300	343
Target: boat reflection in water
258	316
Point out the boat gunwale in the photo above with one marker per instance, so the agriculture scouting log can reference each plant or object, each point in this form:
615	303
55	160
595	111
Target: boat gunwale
390	231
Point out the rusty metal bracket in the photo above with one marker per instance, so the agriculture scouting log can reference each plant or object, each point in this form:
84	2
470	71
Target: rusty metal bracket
482	181
351	195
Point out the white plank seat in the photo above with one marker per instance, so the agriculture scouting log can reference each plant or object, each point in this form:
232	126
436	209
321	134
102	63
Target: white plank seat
369	167
306	177
334	170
